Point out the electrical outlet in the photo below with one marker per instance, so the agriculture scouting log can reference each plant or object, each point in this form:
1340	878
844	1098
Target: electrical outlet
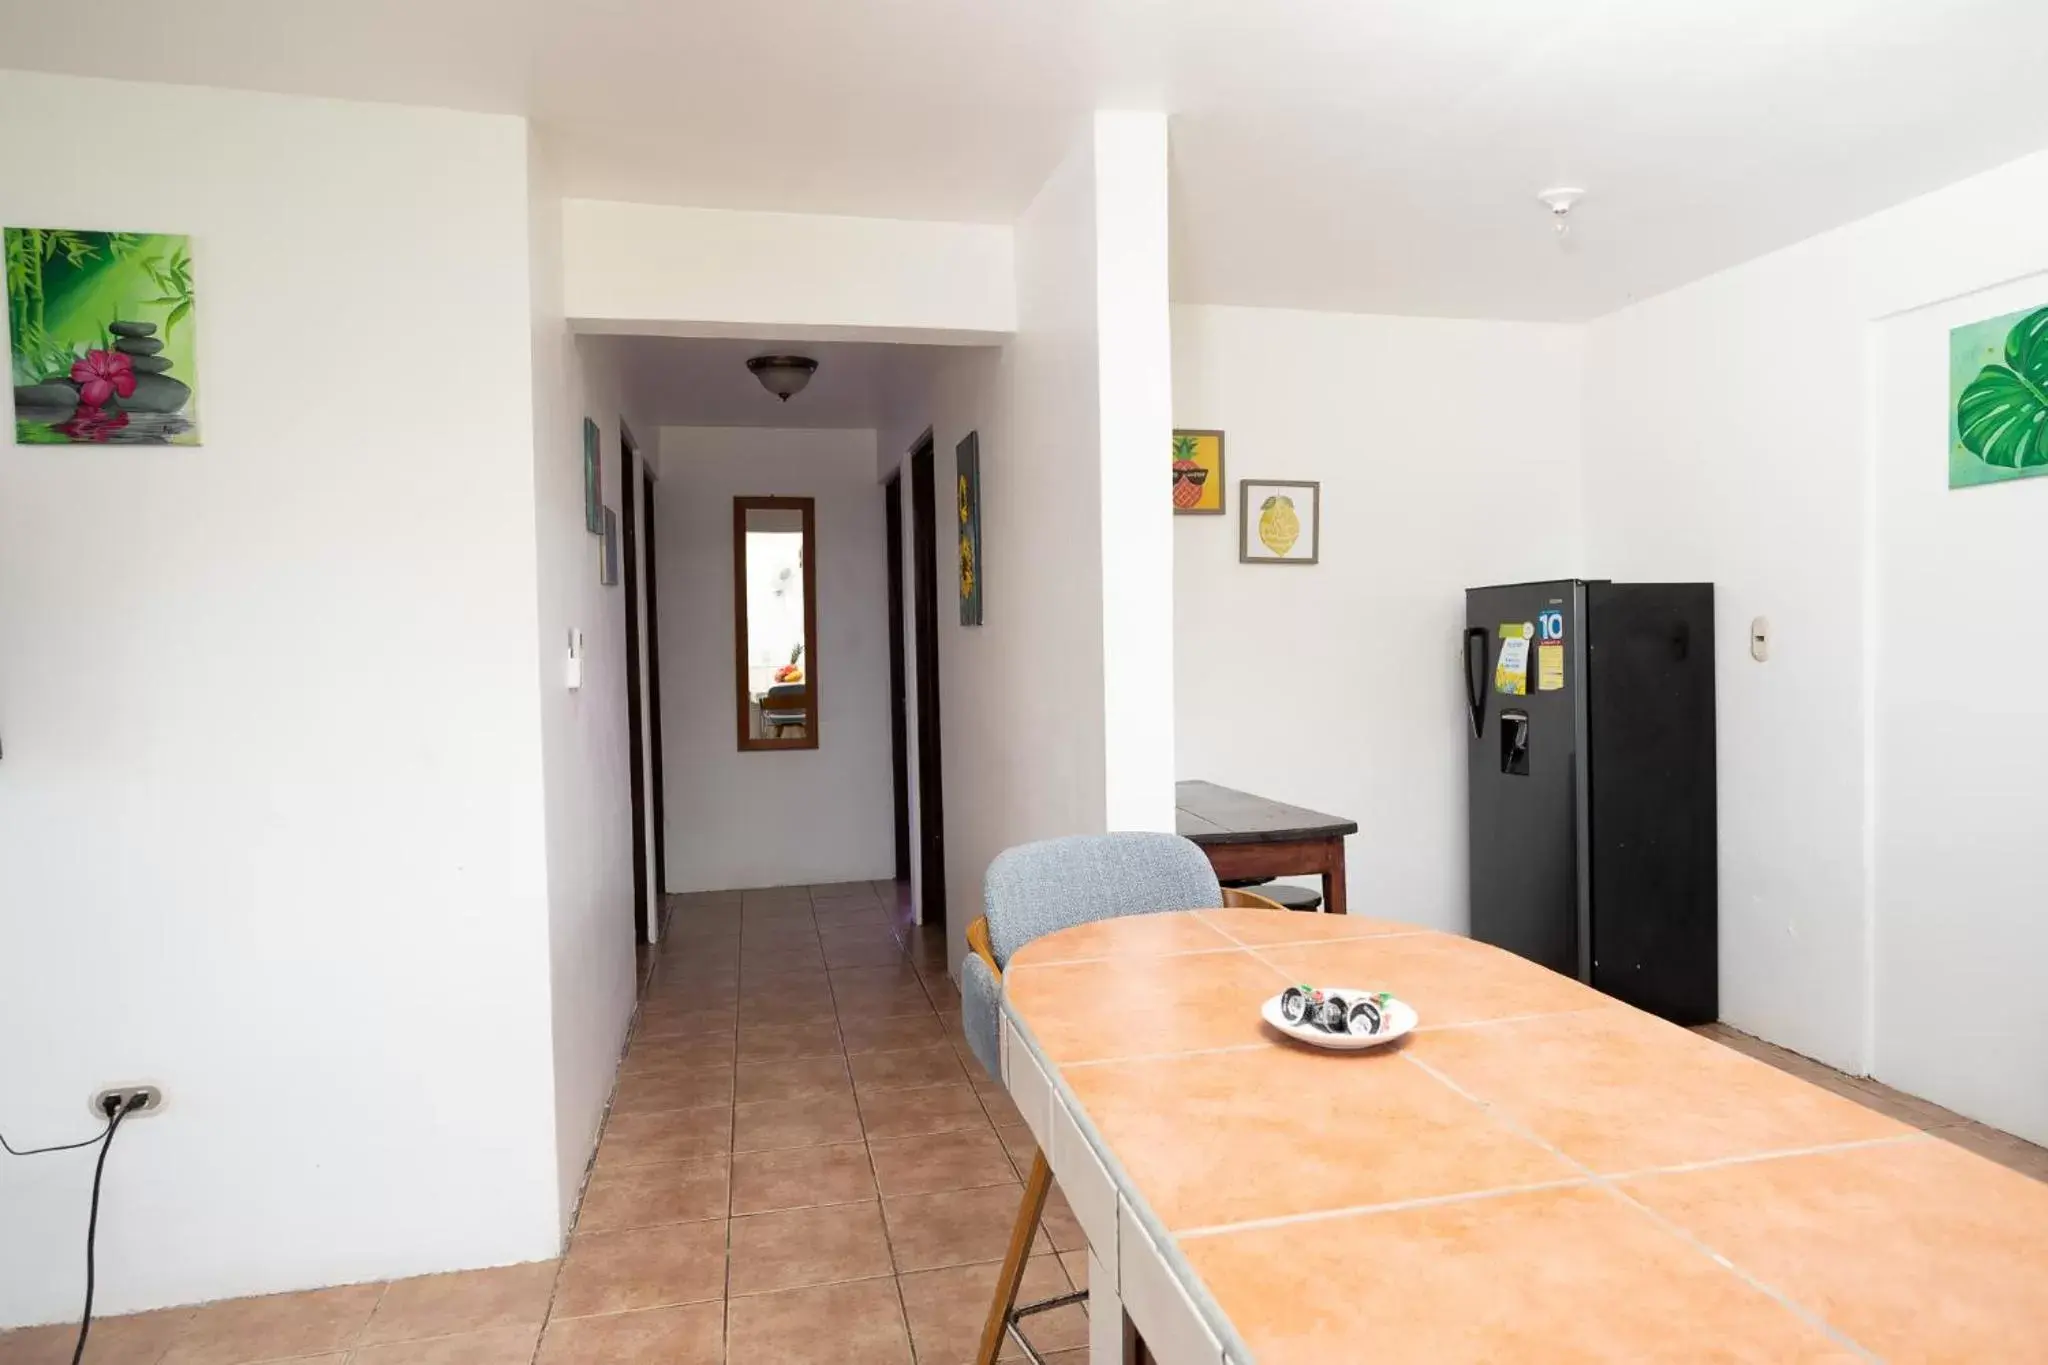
119	1096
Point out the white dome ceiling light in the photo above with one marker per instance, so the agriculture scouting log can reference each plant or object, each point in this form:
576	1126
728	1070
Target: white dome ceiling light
783	375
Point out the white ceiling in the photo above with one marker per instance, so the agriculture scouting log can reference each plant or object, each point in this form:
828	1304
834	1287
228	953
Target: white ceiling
1371	155
704	382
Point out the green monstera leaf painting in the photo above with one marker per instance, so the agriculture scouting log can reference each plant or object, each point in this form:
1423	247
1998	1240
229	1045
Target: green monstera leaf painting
1998	377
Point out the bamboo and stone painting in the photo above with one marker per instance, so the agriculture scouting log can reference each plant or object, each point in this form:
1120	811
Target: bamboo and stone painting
102	337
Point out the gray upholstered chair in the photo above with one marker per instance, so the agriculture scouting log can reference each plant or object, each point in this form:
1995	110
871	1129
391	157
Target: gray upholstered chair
1036	889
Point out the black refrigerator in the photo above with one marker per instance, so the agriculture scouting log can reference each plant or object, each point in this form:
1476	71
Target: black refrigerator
1589	710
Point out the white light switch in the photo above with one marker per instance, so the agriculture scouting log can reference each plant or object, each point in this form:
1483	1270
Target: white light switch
1760	639
573	673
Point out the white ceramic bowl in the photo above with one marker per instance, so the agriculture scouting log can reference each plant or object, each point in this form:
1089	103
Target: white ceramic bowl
1398	1018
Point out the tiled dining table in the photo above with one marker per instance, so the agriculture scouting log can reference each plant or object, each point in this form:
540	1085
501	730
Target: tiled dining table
1537	1173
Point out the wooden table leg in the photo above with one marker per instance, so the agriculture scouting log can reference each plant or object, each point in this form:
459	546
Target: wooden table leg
1333	879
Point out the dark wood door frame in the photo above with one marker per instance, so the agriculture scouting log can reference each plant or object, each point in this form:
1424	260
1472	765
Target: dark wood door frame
899	720
924	540
629	516
656	784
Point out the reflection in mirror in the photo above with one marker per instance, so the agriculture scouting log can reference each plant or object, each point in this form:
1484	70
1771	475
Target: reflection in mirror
775	609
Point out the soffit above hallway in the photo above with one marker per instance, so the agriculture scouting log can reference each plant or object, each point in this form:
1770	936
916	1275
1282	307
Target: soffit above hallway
703	381
1351	156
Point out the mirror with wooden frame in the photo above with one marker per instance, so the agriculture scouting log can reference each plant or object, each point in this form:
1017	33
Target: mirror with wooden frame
775	620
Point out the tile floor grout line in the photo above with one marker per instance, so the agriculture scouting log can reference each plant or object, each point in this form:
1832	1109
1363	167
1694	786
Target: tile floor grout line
1613	1190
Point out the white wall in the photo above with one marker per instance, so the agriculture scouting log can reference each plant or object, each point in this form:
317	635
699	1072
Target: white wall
770	818
271	817
1773	428
584	733
711	269
1066	411
1448	457
1959	749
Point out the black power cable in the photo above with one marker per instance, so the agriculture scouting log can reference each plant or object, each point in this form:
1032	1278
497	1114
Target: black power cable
105	1141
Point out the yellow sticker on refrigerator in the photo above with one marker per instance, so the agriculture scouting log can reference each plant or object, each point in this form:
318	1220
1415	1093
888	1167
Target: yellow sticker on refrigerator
1511	672
1550	651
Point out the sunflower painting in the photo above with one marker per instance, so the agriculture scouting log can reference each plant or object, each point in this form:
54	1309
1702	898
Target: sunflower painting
968	456
101	337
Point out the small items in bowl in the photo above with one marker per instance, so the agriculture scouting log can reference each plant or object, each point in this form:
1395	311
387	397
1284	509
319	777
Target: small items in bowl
1332	1012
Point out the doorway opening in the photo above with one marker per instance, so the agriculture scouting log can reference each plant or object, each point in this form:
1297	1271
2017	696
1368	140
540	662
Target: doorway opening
899	710
643	704
931	819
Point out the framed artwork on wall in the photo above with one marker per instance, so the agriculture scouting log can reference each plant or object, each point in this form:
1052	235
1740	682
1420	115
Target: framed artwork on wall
104	346
593	485
1998	399
1279	521
968	455
1198	473
609	575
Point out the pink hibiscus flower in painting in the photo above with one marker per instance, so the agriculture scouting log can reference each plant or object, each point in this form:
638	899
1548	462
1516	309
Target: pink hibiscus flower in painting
91	424
101	375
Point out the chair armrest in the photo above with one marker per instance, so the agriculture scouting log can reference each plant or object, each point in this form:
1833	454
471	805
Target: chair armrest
977	939
1234	898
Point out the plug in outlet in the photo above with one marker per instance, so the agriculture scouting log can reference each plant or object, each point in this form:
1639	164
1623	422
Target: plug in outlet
119	1096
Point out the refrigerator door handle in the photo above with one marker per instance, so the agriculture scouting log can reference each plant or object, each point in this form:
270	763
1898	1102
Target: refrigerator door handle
1475	681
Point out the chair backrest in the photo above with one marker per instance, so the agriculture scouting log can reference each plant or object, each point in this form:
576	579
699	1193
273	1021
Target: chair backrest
1033	889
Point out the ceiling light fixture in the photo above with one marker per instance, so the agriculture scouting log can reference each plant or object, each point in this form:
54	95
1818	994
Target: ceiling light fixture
1559	200
783	375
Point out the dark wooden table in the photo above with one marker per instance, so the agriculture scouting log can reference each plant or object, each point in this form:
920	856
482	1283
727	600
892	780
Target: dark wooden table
1254	836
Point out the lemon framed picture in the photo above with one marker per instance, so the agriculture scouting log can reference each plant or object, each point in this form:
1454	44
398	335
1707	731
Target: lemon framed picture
1198	473
1279	521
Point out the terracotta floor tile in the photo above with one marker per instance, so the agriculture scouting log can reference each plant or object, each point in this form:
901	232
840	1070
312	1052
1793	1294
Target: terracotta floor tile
1264	928
958	1227
931	1065
505	1346
798	1079
863	955
772	1041
648	1196
134	1339
1449	980
875	980
693	1023
948	1307
1084	1011
1021	1145
911	1113
1358	1128
694	1335
814	1122
660	1091
467	1301
860	1323
892	1033
1002	1110
1918	1250
1554	1275
887	1003
801	1177
681	1135
1621	1091
1061	1227
800	1247
962	1160
274	1326
702	1052
659	1267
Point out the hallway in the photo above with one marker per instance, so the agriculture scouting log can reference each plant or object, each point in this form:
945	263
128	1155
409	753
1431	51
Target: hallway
802	1164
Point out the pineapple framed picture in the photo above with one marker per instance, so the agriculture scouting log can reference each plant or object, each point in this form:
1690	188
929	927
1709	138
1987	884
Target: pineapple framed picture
1198	473
1279	521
